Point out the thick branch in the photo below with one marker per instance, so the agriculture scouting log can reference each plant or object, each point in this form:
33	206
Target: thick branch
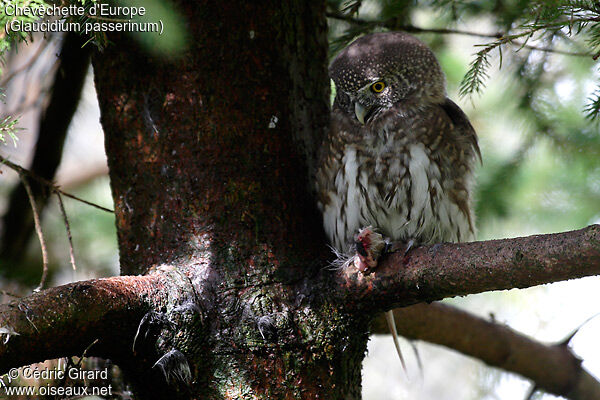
551	367
435	272
65	320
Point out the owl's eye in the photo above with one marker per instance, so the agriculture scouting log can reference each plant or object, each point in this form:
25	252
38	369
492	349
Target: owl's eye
378	87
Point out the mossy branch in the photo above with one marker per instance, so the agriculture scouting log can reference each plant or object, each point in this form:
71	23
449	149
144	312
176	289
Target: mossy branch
65	320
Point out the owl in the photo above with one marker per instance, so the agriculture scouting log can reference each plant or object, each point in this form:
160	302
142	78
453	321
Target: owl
399	156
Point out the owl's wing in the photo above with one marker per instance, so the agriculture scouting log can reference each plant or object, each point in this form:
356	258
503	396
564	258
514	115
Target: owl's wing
460	120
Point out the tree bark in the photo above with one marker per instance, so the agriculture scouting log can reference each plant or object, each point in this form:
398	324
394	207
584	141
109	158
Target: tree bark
81	311
209	158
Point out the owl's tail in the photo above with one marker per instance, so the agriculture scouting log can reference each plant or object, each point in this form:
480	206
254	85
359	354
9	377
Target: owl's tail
391	322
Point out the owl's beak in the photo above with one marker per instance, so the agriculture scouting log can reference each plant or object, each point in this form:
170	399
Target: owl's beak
360	112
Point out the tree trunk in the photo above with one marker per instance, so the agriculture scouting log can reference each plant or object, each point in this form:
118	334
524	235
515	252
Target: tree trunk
209	157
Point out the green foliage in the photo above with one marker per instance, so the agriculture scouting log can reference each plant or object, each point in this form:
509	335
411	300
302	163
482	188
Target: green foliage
592	109
556	23
475	78
8	128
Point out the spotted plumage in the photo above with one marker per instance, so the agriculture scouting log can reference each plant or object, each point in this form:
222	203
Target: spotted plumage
399	155
407	168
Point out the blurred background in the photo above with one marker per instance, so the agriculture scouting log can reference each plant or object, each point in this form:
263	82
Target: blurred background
540	174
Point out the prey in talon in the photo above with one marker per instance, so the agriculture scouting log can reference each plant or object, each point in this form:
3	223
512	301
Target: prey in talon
372	246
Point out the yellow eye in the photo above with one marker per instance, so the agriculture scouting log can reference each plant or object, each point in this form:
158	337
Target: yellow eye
378	87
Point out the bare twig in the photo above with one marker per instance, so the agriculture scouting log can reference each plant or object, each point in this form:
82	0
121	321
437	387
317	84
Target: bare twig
84	354
68	228
504	39
391	23
570	336
38	229
552	50
89	203
51	185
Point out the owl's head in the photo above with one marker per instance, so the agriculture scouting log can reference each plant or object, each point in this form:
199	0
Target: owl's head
380	70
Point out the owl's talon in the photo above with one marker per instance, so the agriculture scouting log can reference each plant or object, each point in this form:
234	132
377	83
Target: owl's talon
409	245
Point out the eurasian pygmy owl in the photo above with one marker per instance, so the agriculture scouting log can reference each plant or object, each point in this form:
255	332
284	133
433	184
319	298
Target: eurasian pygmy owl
399	155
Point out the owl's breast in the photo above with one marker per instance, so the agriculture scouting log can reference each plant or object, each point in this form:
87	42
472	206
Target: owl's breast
400	192
400	181
394	184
